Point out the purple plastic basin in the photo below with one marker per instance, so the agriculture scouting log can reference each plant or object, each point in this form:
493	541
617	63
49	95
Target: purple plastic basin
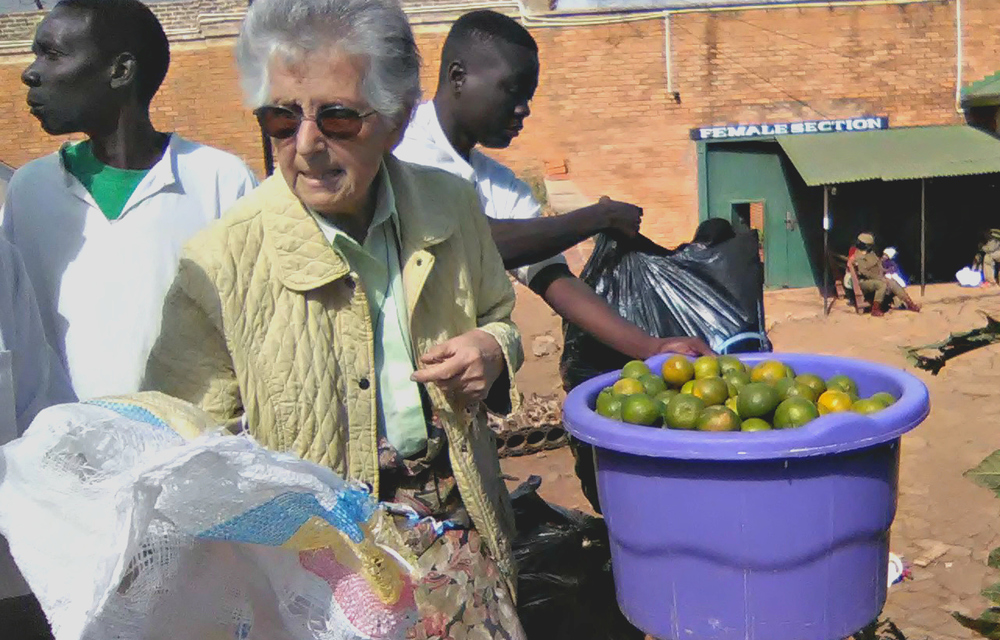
780	535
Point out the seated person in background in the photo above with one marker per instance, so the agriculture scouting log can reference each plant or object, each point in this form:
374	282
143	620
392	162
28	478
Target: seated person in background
868	276
353	310
892	268
100	223
988	256
31	379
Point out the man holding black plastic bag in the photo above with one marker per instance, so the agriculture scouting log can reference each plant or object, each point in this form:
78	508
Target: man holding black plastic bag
489	73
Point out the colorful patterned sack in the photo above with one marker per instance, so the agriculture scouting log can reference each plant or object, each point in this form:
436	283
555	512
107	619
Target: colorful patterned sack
125	530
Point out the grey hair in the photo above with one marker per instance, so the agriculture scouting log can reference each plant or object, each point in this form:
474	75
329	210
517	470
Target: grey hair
376	30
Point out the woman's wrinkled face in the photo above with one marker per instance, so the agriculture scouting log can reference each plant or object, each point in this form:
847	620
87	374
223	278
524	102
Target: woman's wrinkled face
331	176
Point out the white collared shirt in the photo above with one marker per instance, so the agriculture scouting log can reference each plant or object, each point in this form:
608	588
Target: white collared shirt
101	284
31	377
502	194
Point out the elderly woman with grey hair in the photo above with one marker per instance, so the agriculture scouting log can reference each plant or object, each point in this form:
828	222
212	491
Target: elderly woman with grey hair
353	309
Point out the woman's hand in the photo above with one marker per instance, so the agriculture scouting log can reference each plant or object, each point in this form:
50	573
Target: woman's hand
464	367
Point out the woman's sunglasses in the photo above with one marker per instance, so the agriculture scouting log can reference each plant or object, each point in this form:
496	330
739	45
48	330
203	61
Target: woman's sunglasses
334	121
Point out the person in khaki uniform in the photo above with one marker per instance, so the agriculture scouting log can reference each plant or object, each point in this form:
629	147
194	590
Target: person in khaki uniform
989	254
869	276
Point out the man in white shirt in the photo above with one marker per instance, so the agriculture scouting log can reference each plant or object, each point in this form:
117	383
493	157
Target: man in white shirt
101	223
31	379
489	73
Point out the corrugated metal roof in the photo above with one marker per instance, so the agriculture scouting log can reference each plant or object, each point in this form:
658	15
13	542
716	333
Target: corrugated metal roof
982	93
892	154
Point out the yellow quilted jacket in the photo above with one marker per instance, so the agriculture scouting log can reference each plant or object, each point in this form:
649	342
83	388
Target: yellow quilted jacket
266	324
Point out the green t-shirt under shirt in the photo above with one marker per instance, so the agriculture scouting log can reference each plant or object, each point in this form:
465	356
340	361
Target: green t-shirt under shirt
110	187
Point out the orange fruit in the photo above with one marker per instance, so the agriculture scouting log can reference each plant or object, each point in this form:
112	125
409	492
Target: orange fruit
664	397
635	369
731	404
755	424
794	412
718	419
885	397
628	387
757	400
683	411
706	367
610	406
769	371
688	387
812	381
712	390
867	406
729	364
842	383
652	384
833	401
677	370
799	390
640	409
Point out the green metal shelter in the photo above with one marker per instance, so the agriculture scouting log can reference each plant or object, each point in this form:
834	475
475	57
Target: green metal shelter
982	93
914	153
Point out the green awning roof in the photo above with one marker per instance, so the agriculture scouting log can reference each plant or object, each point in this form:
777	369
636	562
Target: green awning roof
892	154
982	93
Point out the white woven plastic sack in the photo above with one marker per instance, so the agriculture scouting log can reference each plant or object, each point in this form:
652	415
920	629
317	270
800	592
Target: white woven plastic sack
127	532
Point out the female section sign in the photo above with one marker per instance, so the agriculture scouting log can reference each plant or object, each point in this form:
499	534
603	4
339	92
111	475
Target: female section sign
844	125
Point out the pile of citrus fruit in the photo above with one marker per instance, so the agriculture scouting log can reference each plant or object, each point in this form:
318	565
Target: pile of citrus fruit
723	394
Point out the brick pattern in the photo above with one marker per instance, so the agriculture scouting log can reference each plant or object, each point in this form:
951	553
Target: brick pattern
602	114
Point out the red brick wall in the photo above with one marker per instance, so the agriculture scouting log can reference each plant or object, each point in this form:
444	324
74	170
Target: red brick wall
602	105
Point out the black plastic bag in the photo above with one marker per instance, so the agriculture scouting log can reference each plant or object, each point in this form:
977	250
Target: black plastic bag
710	292
715	293
565	586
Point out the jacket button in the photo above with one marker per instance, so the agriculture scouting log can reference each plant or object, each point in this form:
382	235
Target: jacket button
364	384
349	281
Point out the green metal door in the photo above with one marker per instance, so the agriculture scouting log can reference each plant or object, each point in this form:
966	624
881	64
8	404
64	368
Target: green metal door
741	178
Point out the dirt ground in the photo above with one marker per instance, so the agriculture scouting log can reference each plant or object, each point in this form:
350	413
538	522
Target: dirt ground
945	525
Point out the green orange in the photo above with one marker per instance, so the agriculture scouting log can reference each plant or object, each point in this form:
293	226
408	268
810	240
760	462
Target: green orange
867	406
799	390
610	406
843	383
652	384
640	409
707	367
712	390
757	400
683	411
729	364
718	419
628	387
769	371
635	369
794	412
886	397
755	424
812	381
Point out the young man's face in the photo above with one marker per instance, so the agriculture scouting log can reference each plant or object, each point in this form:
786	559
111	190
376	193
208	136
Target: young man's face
69	80
500	80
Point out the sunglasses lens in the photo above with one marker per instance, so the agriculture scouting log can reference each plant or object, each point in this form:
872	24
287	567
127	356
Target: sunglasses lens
278	123
339	122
